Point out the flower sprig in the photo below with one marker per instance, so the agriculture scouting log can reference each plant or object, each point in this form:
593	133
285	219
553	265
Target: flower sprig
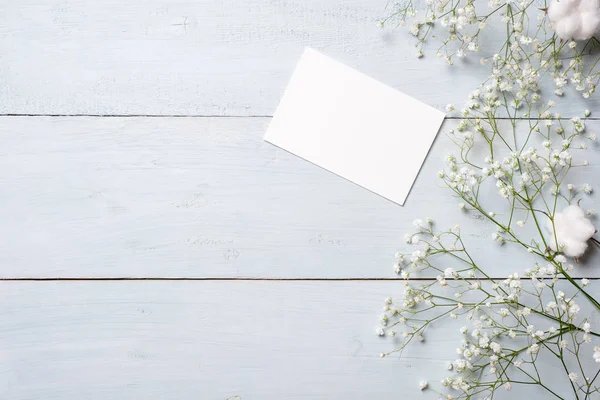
508	322
529	46
509	141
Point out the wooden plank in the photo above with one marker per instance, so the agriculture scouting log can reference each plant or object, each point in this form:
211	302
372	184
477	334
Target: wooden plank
205	57
205	197
267	340
210	340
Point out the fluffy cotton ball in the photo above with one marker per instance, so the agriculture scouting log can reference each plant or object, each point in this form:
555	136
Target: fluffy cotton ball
575	19
573	230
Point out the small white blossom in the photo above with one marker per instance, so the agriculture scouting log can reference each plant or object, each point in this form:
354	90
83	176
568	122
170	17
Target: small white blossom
449	272
533	349
573	376
585	282
496	348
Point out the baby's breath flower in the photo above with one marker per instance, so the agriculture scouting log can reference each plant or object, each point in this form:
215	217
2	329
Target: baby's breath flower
586	327
585	282
597	354
526	173
573	376
533	349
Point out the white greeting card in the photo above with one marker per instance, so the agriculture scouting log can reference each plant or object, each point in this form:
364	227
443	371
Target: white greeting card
354	126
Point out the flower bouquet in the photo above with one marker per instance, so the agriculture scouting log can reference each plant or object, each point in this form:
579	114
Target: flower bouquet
510	144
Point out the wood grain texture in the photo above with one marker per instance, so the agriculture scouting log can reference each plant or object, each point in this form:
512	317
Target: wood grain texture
213	340
205	197
200	340
206	57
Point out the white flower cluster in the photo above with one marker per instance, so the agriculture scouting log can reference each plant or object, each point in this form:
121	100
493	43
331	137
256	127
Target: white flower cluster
510	141
499	334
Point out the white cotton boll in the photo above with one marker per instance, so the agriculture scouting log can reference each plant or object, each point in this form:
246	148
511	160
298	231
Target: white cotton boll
590	24
573	230
575	19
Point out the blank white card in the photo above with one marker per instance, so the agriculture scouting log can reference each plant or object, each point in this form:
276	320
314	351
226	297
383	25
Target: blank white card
354	126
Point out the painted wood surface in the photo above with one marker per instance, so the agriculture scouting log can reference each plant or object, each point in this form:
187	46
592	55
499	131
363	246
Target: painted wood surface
213	340
168	197
206	57
205	197
199	340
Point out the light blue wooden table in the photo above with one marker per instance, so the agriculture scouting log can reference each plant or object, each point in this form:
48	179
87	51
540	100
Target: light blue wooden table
152	246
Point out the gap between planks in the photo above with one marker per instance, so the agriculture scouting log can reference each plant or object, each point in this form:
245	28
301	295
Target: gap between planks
106	279
233	116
